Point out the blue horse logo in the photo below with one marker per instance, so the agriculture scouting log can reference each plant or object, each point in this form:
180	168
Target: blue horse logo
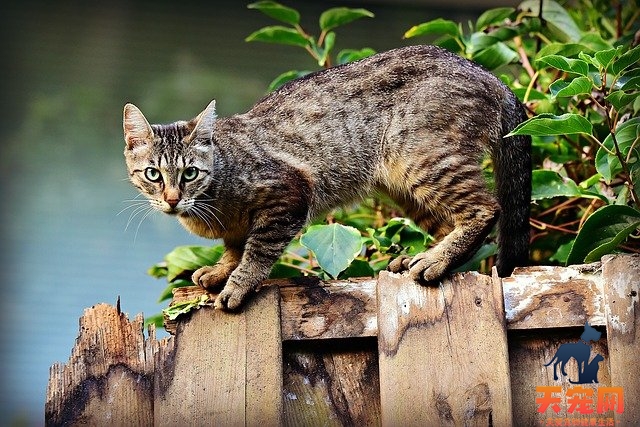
581	352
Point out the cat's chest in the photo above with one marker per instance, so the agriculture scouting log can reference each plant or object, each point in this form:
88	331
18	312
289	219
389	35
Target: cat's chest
204	228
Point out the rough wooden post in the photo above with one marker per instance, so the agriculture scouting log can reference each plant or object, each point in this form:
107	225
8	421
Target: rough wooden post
108	380
621	276
443	352
229	370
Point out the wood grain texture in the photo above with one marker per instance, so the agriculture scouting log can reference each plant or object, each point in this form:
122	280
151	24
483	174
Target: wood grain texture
529	351
331	383
226	368
554	297
443	352
108	379
621	277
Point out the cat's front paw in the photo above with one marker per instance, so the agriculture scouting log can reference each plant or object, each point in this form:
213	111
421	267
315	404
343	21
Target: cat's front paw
231	297
400	264
427	267
210	277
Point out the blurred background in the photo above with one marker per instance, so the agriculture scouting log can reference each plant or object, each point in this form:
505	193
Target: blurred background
67	70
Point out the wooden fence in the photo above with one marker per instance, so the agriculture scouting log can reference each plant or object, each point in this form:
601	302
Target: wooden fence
367	352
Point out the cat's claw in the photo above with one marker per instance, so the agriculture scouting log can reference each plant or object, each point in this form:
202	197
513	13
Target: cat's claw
423	268
210	277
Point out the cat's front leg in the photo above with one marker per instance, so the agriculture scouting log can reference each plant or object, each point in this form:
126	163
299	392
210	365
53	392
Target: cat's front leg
268	238
215	276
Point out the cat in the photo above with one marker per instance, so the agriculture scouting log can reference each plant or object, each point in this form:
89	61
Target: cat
412	122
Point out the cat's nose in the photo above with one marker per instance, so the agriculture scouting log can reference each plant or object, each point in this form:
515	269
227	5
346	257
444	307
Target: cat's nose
172	202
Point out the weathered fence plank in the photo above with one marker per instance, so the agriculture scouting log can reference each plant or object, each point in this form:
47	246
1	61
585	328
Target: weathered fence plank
443	352
229	369
621	277
331	383
109	377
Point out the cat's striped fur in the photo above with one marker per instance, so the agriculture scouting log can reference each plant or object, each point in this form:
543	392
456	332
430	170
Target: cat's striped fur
413	122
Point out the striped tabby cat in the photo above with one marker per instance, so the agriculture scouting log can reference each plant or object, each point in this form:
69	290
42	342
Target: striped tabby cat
412	122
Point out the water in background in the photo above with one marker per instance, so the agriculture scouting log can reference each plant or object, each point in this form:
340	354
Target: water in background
68	70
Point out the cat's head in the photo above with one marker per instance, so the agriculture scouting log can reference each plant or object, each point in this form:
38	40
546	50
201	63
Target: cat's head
170	164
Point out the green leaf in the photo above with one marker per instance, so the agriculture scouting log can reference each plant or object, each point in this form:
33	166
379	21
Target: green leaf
496	56
602	232
277	11
549	124
158	270
575	66
619	99
562	253
185	259
333	245
608	164
286	77
577	86
350	55
558	21
493	16
604	57
483	253
156	320
437	26
358	268
280	35
335	17
546	184
626	60
329	42
184	307
566	50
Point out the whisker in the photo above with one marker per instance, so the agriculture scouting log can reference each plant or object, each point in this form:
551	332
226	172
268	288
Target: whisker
137	211
208	209
149	212
135	204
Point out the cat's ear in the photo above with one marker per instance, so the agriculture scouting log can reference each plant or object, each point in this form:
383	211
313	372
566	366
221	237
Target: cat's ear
205	121
137	130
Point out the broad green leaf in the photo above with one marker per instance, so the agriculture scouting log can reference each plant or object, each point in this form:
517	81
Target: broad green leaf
604	57
562	253
558	21
549	124
566	50
619	99
350	55
286	77
158	270
333	245
496	56
570	65
184	259
631	83
577	86
156	320
358	268
546	184
602	232
626	60
595	42
532	94
483	253
608	164
437	26
338	16
493	16
280	35
277	11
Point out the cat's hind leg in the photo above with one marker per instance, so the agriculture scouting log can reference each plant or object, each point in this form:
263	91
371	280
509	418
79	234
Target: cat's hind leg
468	212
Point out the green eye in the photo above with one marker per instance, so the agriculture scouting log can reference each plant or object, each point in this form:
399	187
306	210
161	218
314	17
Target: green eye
153	174
189	174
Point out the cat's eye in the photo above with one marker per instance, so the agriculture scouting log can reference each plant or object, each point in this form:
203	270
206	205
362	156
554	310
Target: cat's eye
189	174
153	174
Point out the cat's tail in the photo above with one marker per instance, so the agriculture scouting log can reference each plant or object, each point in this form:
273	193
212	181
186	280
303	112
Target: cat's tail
512	171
